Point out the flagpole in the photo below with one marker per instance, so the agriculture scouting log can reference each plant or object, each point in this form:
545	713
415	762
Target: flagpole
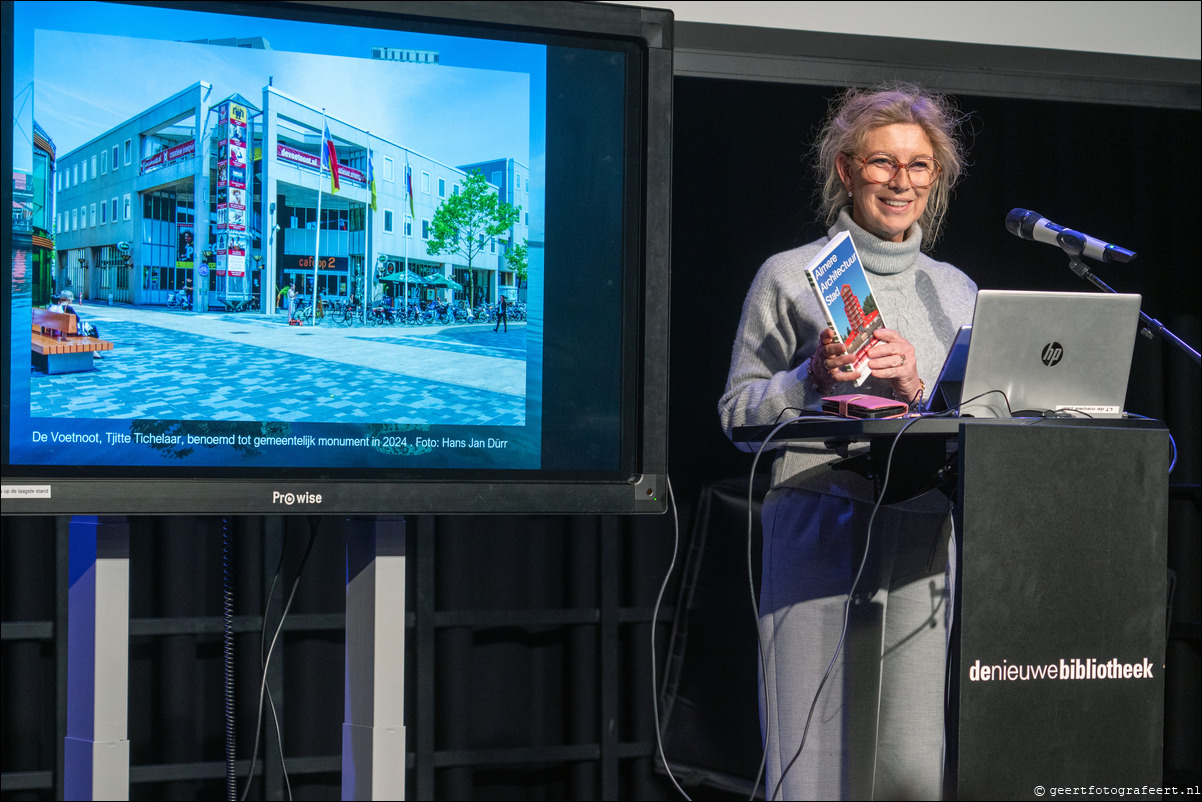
369	265
317	239
407	236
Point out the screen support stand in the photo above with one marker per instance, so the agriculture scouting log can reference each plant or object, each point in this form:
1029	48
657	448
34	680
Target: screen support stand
373	733
1151	325
96	755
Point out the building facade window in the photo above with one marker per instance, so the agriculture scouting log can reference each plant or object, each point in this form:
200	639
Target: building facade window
388	221
125	207
331	219
74	219
129	151
83	216
93	167
425	182
113	210
115	156
104	213
92	215
75	172
167	255
388	169
408	227
425	229
104	161
442	187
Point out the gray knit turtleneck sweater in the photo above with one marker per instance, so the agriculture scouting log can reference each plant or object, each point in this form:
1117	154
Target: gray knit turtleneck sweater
923	300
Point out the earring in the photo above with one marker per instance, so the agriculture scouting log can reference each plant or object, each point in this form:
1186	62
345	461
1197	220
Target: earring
849	193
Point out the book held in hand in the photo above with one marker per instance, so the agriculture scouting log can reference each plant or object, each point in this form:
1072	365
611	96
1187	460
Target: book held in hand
841	286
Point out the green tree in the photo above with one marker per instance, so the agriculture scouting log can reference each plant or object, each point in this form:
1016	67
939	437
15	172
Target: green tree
463	223
518	260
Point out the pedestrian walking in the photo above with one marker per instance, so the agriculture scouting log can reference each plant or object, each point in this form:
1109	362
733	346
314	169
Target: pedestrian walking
502	314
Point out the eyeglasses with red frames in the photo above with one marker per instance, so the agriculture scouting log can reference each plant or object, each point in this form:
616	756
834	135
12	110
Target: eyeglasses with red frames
880	168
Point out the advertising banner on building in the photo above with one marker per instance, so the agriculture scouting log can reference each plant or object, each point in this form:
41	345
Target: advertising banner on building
230	232
184	150
313	162
236	255
237	176
186	252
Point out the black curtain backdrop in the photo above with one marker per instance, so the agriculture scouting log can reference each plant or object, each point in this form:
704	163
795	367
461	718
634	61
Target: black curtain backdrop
532	675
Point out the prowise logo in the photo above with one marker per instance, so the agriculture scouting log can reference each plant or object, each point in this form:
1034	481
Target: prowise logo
288	499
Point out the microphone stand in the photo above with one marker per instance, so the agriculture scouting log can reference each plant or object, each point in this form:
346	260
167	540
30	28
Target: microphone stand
1074	247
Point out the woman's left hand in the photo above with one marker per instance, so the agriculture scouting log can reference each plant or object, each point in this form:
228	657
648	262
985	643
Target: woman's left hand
893	358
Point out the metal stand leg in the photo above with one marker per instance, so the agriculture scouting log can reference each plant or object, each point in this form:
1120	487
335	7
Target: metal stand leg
96	760
373	734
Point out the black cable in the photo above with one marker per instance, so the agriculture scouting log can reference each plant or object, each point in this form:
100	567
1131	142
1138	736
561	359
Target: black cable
659	741
279	733
231	776
755	605
751	577
314	522
847	602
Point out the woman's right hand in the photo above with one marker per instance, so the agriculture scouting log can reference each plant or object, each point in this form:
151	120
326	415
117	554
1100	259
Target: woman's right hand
828	358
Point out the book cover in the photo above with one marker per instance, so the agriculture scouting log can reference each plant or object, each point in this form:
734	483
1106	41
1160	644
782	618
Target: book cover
841	286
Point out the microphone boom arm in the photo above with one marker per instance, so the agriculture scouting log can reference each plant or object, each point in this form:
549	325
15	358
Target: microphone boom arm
1073	246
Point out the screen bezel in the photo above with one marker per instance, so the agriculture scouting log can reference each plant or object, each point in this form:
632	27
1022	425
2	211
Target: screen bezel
639	482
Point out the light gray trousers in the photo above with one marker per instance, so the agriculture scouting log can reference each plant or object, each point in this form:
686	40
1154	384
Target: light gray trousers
877	729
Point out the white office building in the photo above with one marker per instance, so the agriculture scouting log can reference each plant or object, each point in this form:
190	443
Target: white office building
228	191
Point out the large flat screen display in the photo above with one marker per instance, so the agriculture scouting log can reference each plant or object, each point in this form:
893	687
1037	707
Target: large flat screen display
336	257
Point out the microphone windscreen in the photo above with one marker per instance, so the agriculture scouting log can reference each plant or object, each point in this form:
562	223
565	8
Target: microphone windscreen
1020	222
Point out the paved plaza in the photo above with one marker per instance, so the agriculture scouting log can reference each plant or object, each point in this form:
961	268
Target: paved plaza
175	365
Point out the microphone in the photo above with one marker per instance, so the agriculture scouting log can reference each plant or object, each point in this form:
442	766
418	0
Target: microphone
1034	226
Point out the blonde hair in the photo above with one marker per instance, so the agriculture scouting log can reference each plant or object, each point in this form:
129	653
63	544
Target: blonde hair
856	112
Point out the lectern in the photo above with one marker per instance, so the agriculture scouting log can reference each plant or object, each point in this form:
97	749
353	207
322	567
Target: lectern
1058	637
1058	674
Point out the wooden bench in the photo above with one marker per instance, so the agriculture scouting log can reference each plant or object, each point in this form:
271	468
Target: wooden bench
55	346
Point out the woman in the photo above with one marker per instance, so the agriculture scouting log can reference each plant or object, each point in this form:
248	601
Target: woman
292	295
65	303
887	161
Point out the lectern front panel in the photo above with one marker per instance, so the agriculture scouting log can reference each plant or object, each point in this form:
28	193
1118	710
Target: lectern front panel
1062	589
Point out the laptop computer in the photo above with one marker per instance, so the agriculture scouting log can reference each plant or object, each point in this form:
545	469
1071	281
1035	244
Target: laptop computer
1031	353
945	394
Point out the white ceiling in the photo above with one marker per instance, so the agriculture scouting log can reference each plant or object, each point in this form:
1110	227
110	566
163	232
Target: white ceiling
1166	29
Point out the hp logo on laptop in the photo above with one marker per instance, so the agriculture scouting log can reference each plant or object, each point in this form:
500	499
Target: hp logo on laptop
1052	354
